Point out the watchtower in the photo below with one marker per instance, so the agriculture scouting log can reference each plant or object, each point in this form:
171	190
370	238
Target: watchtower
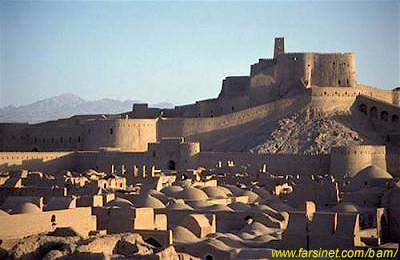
279	46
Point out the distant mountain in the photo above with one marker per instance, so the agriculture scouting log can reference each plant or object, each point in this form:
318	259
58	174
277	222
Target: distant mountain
67	105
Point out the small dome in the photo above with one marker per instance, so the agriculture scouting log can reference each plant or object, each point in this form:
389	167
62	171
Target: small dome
226	190
264	194
257	228
215	192
183	235
25	208
253	197
236	191
192	194
198	204
148	201
171	191
219	208
373	172
120	203
265	238
178	206
239	206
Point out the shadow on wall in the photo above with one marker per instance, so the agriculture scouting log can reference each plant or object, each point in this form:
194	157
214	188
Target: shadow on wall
46	162
232	138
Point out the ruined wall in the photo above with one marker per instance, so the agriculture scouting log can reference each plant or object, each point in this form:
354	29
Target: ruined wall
106	161
18	226
52	162
348	161
275	163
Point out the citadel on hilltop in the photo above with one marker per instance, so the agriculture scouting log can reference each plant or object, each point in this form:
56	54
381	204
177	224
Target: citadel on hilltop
287	83
190	178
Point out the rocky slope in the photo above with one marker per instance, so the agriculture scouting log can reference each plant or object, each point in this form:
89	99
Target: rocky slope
314	132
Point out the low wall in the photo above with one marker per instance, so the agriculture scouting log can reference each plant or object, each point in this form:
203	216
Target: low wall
51	162
276	163
105	161
21	225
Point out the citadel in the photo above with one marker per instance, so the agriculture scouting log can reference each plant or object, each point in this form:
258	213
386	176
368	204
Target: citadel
166	181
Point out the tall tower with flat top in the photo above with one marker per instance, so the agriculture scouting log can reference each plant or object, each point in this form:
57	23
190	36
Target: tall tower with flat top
279	46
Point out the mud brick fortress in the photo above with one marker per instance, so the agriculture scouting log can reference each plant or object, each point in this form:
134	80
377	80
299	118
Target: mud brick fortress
296	155
286	83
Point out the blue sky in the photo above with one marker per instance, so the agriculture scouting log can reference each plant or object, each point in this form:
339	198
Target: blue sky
179	51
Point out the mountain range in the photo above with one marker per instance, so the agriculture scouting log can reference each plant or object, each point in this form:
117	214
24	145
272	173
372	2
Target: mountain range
66	105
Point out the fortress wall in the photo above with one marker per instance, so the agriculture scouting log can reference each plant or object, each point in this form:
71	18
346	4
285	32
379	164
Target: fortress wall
105	161
291	71
52	162
175	127
384	116
338	69
208	108
348	161
276	163
234	104
54	138
235	86
126	134
380	94
333	98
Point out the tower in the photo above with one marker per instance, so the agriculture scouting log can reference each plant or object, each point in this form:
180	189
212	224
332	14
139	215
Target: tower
279	46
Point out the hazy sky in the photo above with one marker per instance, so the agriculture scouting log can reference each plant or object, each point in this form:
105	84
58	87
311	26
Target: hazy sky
179	51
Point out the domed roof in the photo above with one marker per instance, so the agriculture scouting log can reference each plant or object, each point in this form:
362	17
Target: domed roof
253	197
192	194
215	192
199	204
219	208
346	207
265	238
231	243
25	208
264	194
373	172
257	228
239	206
236	191
227	191
148	201
183	235
178	205
171	191
120	203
